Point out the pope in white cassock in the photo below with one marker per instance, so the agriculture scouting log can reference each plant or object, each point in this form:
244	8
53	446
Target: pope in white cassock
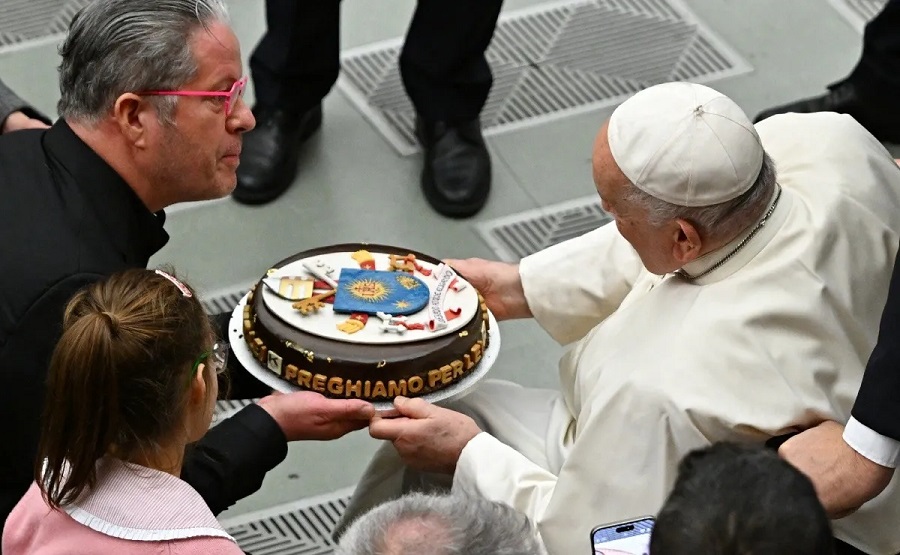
736	297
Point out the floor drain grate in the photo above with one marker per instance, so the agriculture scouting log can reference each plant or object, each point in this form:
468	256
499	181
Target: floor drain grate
300	528
24	21
555	60
858	12
515	237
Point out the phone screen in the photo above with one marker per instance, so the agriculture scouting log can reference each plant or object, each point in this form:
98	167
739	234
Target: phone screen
624	538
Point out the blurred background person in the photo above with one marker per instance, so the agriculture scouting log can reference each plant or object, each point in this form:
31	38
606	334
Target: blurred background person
444	71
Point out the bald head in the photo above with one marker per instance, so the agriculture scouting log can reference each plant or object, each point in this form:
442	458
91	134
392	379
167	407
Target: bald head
409	535
441	525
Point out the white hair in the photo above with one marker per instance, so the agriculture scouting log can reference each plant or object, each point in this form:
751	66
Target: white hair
456	524
725	220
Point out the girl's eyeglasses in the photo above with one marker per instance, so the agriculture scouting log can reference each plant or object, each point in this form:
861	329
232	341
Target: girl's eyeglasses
216	358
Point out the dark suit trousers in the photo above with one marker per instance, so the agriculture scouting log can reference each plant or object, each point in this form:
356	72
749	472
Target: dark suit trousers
442	62
878	70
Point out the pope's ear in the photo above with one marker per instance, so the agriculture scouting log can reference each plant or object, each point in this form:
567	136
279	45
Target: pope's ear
133	114
687	243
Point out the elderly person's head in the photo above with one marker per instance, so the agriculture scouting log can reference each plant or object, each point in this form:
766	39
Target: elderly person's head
147	86
441	525
682	170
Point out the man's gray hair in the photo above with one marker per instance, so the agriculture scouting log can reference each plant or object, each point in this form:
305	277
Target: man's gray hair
454	524
119	46
724	220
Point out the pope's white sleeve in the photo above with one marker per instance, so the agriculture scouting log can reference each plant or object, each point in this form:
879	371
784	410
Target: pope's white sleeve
872	445
572	286
508	477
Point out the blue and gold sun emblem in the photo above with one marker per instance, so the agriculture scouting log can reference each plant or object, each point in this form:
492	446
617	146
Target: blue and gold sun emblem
369	290
373	291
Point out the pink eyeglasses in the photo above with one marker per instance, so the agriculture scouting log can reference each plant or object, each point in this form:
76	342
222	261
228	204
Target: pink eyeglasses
232	96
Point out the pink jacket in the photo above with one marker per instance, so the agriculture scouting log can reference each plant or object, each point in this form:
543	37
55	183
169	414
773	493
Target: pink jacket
133	509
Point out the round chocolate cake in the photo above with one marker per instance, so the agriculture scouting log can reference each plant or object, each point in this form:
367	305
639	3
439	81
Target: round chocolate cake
366	321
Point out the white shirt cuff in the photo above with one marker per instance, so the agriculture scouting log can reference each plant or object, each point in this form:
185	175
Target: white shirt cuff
872	445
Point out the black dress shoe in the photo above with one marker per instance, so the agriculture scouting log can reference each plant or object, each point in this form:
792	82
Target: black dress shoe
270	153
456	178
879	118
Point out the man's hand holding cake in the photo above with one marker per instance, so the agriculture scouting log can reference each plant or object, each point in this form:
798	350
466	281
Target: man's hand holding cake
305	415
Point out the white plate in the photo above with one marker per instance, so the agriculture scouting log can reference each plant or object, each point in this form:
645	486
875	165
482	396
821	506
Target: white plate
385	408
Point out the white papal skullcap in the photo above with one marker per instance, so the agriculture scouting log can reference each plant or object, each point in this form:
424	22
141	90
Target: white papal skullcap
685	144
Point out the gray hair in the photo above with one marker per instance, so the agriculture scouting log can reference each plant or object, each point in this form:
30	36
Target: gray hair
119	46
725	220
454	524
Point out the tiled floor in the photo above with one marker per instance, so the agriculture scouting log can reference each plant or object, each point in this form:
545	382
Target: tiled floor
353	186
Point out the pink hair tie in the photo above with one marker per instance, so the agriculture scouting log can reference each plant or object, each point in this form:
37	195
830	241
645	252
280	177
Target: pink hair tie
181	287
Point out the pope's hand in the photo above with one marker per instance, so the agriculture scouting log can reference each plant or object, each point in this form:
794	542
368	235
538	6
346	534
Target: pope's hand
309	415
17	121
499	283
427	437
843	478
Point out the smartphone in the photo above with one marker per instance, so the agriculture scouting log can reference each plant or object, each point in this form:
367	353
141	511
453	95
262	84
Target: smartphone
631	537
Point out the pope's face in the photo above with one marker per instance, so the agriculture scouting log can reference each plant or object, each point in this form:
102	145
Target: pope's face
198	154
654	244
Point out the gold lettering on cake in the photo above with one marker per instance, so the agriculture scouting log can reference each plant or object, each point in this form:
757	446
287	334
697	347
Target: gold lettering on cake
434	376
290	372
415	384
246	325
303	378
335	386
352	387
367	389
446	376
395	388
468	362
458	369
318	383
379	390
476	352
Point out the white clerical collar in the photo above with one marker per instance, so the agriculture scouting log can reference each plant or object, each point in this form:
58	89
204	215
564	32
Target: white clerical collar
133	502
722	262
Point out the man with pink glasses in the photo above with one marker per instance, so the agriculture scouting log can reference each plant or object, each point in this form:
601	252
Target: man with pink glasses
151	115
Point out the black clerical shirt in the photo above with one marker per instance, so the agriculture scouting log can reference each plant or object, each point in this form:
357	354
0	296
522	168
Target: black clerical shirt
67	219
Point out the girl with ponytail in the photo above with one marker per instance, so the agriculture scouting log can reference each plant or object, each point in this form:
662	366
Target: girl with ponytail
132	381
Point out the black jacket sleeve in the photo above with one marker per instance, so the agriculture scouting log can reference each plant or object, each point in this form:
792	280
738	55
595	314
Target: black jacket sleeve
878	402
230	462
10	102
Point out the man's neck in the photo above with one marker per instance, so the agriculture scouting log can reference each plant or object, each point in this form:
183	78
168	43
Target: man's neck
107	142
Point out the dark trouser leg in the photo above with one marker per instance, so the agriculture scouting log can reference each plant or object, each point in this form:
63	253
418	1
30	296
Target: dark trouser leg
878	70
239	383
297	61
443	64
293	67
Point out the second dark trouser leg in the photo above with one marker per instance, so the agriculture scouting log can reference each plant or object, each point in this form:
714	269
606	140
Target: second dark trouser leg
297	61
878	70
443	64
